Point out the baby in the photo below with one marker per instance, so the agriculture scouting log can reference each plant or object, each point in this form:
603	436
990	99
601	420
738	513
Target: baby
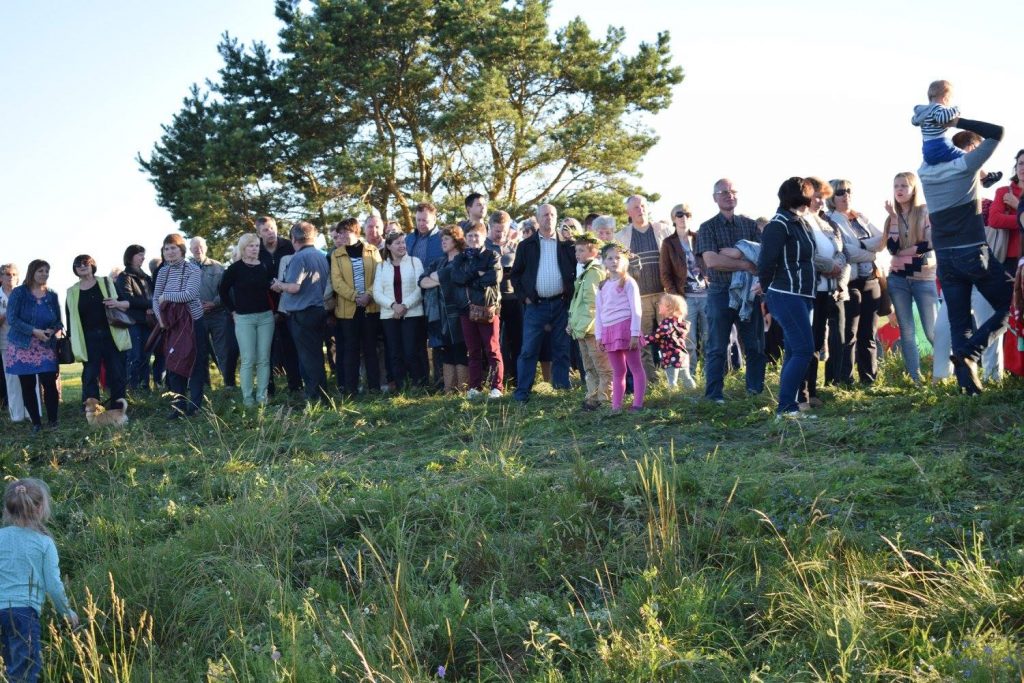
934	118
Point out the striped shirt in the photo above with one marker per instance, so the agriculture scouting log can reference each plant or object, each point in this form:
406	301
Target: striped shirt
645	267
355	254
179	283
549	278
934	119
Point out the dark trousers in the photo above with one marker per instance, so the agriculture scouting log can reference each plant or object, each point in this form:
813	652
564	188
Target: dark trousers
100	347
48	387
543	320
793	314
721	318
960	270
483	342
3	387
829	314
307	330
283	357
223	344
359	335
404	339
511	335
137	365
192	386
859	348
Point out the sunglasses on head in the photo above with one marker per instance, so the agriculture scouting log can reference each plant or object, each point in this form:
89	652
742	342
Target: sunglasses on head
843	192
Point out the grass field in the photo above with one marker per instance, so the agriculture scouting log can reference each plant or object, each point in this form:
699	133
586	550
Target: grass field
422	538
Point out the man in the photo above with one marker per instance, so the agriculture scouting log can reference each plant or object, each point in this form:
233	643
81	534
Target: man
219	325
373	231
643	239
303	297
965	260
511	313
425	241
542	277
716	244
282	351
476	210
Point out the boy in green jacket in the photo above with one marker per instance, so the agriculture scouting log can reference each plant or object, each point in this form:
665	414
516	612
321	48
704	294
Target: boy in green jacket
581	321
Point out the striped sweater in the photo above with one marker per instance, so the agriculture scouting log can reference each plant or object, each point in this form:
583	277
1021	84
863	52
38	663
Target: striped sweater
179	283
787	256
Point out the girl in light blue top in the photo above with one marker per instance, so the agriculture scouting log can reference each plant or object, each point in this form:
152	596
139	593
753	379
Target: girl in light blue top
29	571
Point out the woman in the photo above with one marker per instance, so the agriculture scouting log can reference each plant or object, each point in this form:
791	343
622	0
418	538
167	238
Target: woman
443	327
397	291
1002	215
863	241
135	286
245	293
94	341
833	277
786	269
33	313
682	273
476	272
15	404
912	273
180	313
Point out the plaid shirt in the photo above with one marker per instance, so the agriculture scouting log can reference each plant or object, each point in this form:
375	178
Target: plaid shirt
720	233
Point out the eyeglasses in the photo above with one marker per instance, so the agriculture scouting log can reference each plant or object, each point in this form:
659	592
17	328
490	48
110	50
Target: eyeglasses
843	192
726	193
681	214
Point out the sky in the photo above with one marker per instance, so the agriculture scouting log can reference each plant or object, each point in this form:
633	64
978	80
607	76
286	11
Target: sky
771	90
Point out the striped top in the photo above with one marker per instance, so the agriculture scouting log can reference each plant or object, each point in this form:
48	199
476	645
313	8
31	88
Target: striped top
179	283
787	256
933	119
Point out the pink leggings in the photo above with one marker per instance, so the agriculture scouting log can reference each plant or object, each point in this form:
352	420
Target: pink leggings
619	360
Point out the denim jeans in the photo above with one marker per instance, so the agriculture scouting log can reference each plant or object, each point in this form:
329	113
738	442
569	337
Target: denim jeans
255	335
961	270
905	292
697	316
793	313
100	347
543	320
137	372
720	321
307	328
20	644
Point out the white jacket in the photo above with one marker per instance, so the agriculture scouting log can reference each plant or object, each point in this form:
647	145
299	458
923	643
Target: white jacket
384	287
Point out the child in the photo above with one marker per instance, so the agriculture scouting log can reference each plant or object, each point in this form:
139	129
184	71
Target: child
617	326
581	322
934	118
671	340
29	568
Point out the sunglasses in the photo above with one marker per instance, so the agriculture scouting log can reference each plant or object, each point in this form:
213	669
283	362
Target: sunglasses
843	192
681	214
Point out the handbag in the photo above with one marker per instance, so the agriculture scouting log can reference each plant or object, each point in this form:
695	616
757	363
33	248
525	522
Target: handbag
481	314
62	347
156	336
884	300
115	316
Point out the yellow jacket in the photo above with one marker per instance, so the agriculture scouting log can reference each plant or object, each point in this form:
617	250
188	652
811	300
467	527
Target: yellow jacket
343	282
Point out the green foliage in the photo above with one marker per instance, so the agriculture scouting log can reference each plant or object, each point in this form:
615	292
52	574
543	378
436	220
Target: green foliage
389	102
379	540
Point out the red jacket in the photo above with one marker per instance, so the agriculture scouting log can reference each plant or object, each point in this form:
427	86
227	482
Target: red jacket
1002	217
179	340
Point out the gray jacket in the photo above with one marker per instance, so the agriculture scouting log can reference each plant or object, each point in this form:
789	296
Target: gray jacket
740	296
951	191
209	287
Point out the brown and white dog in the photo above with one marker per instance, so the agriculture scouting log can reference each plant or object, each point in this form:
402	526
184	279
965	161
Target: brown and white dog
97	416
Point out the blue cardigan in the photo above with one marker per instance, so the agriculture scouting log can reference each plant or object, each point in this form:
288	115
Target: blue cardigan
20	309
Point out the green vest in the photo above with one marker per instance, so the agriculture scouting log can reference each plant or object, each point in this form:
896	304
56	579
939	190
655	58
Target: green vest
122	340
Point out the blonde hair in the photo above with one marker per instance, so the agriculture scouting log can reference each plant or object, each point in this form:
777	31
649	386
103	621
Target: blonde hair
674	304
245	240
27	504
914	225
937	89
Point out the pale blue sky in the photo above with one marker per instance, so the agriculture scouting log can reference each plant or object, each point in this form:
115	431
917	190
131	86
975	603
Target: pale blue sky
771	90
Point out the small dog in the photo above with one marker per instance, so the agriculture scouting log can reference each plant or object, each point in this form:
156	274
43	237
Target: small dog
98	416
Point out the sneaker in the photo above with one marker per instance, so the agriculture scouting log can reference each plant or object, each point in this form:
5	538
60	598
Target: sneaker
966	371
495	393
795	415
719	401
991	179
473	393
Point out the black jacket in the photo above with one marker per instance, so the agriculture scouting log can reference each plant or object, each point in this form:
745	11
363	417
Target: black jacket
136	288
472	287
524	270
787	256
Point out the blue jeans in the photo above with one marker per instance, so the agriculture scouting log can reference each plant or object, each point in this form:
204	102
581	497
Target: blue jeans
904	292
543	319
961	270
793	313
307	329
697	316
20	644
721	318
137	372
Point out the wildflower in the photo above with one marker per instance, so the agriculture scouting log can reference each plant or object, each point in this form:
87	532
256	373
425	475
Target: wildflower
275	655
441	671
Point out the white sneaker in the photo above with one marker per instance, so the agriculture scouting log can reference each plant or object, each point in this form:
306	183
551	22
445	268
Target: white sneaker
473	393
495	393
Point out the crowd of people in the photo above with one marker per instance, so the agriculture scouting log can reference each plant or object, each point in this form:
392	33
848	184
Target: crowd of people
473	308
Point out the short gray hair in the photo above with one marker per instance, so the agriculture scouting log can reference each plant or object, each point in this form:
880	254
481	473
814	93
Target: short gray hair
303	231
604	221
200	239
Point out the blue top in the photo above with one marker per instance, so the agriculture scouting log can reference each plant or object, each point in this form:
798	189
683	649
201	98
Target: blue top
22	315
29	570
310	270
426	249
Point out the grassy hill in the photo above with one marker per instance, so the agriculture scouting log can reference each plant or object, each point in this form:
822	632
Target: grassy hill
403	539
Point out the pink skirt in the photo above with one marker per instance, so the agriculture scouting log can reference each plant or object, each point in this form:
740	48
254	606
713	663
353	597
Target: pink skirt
616	336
